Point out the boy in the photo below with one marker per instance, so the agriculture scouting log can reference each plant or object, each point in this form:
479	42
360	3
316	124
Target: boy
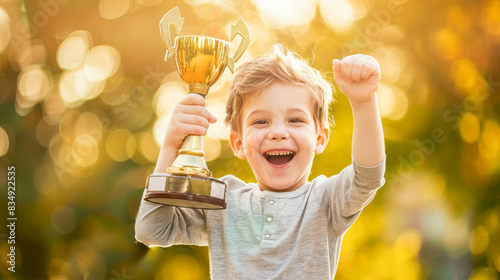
282	227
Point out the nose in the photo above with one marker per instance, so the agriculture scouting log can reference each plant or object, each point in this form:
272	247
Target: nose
278	132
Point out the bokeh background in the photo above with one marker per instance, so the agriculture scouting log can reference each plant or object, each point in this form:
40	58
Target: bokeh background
85	97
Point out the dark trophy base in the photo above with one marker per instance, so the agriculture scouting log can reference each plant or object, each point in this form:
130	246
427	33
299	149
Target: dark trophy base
186	191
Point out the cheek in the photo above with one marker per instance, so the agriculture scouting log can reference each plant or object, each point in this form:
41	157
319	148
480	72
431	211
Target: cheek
252	142
306	140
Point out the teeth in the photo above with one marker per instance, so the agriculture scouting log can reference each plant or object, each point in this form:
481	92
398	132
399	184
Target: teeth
279	153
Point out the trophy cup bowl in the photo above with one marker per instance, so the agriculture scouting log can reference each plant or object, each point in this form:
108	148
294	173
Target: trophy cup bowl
200	62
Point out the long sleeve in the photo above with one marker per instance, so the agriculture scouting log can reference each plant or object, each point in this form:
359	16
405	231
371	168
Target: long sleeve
161	225
344	195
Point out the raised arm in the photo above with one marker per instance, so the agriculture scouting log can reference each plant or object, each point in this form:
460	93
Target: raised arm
358	77
161	225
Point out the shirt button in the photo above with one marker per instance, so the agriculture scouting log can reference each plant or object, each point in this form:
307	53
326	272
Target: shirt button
268	236
271	202
269	219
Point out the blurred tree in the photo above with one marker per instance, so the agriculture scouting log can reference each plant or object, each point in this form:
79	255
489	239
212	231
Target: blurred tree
85	97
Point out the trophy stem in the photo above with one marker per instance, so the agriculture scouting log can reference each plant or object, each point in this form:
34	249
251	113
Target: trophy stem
198	88
190	160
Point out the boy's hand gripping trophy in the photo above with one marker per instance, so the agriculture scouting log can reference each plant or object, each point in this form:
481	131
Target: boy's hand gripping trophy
200	62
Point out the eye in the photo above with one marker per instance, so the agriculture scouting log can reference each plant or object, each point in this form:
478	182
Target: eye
259	122
295	120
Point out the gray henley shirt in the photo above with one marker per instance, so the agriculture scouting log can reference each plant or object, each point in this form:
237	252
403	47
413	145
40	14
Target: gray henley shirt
269	235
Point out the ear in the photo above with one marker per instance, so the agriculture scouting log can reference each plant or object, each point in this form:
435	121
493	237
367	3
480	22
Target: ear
237	145
321	140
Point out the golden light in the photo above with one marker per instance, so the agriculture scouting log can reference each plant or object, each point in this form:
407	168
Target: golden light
281	14
489	143
478	240
53	108
411	270
75	87
152	254
199	2
391	61
218	130
148	146
148	2
87	111
167	96
181	267
34	83
212	148
159	129
113	9
497	263
90	124
386	100
491	18
28	52
483	273
84	150
338	14
70	91
465	75
390	133
45	132
72	51
206	12
5	32
392	34
59	150
392	102
446	43
419	189
101	63
267	38
470	127
63	219
120	145
23	106
4	142
220	88
55	265
455	236
493	220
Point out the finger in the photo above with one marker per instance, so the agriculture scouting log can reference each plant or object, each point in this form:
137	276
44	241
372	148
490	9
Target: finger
357	68
193	99
371	68
192	129
193	120
347	67
196	110
212	118
337	69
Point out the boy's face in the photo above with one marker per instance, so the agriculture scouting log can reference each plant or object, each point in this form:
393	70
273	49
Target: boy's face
278	136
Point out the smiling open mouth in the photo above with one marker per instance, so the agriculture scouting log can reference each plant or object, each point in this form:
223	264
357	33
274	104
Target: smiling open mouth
279	158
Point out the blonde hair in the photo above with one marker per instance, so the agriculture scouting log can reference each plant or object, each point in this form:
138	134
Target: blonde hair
283	66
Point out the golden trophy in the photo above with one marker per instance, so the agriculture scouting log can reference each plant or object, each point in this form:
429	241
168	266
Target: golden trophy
200	62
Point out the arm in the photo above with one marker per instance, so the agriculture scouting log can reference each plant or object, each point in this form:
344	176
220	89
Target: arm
358	77
346	194
160	225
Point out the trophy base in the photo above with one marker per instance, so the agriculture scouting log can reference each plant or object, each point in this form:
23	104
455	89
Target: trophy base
187	200
186	191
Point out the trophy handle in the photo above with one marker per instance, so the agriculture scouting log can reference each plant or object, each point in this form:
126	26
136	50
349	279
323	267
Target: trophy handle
172	17
239	28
